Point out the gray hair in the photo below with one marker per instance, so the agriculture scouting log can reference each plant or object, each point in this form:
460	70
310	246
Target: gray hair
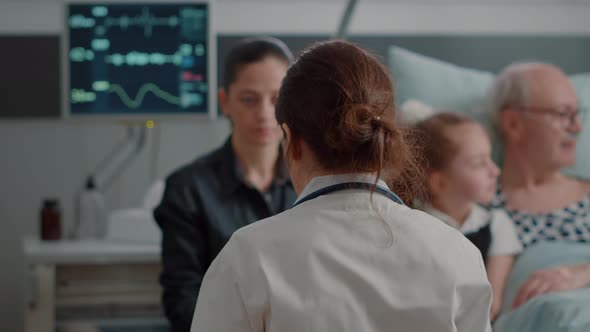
511	86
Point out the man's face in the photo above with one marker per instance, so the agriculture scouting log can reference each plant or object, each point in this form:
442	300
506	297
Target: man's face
250	101
549	121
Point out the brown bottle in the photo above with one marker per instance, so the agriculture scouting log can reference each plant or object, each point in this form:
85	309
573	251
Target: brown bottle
50	220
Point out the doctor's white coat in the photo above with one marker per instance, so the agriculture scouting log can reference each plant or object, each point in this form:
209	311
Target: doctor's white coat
346	262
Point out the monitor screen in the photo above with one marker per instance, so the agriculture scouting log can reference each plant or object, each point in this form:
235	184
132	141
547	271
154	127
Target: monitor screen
134	59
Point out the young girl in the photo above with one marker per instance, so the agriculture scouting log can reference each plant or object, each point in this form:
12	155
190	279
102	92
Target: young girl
460	174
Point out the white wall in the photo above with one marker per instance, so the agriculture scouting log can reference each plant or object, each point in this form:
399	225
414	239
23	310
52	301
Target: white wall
371	17
50	158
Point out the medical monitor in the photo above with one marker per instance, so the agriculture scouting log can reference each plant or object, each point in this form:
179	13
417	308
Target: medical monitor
139	60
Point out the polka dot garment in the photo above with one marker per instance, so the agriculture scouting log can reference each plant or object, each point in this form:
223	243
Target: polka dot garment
571	223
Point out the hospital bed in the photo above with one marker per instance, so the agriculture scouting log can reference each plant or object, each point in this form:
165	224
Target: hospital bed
446	85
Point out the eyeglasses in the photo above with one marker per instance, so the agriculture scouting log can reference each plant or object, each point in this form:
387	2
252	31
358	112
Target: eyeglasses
565	116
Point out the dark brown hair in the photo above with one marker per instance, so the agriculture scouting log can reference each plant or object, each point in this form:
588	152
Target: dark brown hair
339	100
251	50
437	149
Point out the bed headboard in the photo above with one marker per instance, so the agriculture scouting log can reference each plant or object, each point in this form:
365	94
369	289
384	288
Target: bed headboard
490	53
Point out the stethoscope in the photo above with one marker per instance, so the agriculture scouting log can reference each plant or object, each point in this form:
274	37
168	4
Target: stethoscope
350	185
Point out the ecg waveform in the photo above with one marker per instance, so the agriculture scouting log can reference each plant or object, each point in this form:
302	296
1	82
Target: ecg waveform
141	93
143	59
145	20
183	57
79	96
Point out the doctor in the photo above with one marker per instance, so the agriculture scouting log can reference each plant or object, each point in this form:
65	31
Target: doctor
349	255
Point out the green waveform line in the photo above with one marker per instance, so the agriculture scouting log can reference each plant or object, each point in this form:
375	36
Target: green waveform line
143	90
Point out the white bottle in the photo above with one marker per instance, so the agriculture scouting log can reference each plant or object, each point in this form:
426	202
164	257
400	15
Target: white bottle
92	223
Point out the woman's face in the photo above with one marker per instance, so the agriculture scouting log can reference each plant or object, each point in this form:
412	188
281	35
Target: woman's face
250	101
471	175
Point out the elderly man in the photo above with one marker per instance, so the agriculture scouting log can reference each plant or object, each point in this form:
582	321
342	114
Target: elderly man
539	117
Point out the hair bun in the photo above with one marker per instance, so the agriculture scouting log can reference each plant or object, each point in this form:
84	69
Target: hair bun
355	127
413	111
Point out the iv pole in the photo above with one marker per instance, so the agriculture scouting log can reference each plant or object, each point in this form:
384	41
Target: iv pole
342	31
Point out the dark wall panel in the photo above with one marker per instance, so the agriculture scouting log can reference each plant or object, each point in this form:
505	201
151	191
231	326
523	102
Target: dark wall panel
30	77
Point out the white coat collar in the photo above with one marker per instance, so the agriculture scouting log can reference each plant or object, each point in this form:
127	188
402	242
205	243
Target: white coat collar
320	182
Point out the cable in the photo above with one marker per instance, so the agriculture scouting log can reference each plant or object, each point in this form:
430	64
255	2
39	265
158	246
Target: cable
119	146
139	145
155	152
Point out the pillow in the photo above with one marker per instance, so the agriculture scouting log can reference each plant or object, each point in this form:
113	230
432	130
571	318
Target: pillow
446	86
582	167
443	86
413	111
421	78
